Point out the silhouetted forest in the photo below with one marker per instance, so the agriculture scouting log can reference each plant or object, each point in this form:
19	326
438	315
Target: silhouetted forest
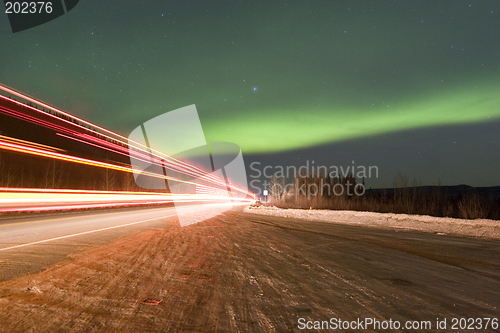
309	192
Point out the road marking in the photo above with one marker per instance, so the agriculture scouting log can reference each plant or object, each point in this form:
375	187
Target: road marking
62	218
83	233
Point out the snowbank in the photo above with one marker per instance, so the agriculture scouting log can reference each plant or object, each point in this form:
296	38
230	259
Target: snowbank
439	225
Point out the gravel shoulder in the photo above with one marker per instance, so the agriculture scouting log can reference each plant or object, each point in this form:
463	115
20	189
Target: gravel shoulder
241	272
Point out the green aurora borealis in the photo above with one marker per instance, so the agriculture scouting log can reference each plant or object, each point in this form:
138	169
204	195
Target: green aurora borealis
275	76
308	126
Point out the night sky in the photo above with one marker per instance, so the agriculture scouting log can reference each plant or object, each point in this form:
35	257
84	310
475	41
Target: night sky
409	86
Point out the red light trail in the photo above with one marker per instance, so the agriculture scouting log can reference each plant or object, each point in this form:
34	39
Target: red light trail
109	134
139	151
70	127
37	200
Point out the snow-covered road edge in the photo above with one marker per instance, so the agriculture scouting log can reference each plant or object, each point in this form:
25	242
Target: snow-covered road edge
439	225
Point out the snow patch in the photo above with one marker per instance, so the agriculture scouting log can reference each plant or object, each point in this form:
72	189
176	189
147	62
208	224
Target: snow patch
438	225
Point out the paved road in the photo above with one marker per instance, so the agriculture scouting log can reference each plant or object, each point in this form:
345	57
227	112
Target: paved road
29	243
253	273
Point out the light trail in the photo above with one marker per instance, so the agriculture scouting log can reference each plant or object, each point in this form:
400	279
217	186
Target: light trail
37	200
124	152
6	145
114	136
99	137
29	143
92	144
64	157
144	155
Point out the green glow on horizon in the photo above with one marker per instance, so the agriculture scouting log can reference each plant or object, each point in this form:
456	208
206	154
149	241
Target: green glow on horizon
267	131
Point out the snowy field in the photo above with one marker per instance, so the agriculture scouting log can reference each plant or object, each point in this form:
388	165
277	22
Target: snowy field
437	225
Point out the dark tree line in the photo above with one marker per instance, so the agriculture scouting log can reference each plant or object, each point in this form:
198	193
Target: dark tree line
348	193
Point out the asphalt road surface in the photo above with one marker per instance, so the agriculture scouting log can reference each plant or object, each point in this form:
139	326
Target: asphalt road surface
28	243
242	272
